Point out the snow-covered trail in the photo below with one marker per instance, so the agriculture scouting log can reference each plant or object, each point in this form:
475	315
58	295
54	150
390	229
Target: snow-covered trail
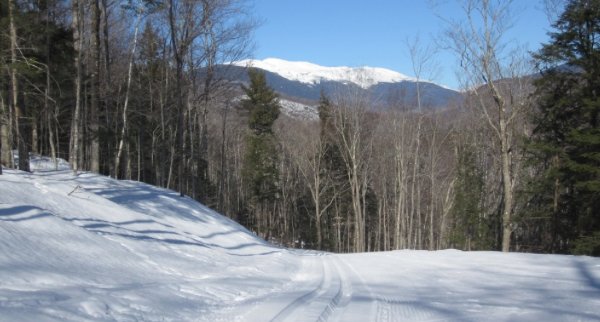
437	286
90	248
324	291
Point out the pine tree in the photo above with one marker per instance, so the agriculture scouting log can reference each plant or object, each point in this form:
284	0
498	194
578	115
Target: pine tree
262	104
566	139
334	170
470	229
260	170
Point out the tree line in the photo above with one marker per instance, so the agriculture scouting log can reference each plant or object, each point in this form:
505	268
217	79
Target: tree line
133	89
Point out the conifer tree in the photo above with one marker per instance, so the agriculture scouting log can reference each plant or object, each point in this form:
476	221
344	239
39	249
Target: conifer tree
260	169
334	170
566	139
469	229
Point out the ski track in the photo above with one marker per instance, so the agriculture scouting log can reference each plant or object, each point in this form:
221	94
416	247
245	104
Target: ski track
251	307
322	299
356	282
328	300
301	303
337	306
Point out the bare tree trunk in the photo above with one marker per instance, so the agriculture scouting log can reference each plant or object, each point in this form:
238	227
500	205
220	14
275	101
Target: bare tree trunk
446	207
222	174
5	146
49	109
105	100
178	96
94	88
338	226
432	192
400	182
171	166
20	120
33	120
210	51
106	62
507	183
121	144
74	147
139	156
53	151
128	169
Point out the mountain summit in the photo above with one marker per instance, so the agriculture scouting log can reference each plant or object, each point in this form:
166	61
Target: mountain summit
309	73
300	84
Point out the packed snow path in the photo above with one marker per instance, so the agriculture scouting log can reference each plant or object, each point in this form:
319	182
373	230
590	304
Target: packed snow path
322	291
90	248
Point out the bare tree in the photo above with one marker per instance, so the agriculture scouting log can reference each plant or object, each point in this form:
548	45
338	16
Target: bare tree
440	176
224	38
421	58
179	43
350	120
553	8
401	130
490	68
307	150
139	12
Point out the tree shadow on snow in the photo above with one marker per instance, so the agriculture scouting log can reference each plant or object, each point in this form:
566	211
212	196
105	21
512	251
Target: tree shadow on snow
11	213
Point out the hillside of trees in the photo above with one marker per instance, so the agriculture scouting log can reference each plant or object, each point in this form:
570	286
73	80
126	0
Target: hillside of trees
129	89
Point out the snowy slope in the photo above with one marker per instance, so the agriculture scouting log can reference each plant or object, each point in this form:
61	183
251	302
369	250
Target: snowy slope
299	110
309	73
90	248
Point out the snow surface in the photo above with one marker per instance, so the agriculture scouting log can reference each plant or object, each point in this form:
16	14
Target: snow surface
299	110
310	73
90	248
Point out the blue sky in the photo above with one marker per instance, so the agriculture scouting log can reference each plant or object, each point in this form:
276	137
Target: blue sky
374	32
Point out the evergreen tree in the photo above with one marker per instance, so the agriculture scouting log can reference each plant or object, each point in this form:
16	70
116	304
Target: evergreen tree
470	229
334	162
261	103
566	140
38	68
334	170
260	170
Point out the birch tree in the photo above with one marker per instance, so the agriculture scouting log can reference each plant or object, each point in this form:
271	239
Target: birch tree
491	66
354	141
74	140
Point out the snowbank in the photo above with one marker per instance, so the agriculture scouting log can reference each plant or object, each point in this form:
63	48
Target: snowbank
90	248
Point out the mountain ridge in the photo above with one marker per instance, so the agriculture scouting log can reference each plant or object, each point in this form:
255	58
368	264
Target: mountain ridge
303	82
310	73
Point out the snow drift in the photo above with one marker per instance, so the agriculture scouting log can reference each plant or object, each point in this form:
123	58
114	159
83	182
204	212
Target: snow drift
90	248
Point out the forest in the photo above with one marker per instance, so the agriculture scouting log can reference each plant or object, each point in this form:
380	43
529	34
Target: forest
132	89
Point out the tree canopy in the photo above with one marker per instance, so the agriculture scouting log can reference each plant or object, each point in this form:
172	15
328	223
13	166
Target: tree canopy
567	134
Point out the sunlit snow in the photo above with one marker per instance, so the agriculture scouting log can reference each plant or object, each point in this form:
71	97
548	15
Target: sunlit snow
90	248
310	73
299	110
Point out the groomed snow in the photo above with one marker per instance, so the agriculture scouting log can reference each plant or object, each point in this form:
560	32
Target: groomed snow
90	248
310	73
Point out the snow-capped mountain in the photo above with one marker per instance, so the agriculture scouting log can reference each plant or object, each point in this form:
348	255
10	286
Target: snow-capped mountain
309	73
303	82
